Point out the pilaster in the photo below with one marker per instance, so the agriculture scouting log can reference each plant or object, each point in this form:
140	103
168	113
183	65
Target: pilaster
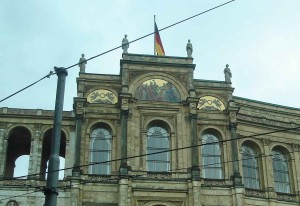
3	152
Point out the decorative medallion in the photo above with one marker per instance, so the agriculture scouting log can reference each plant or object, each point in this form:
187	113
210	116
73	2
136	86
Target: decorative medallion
210	103
102	96
157	90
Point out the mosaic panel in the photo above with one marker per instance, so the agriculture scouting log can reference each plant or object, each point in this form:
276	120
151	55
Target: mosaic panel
157	90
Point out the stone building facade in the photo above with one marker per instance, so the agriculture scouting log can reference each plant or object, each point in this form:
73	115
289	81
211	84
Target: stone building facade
155	136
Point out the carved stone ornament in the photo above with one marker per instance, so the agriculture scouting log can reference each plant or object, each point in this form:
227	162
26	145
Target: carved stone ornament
286	197
255	193
210	103
12	203
102	96
214	182
159	175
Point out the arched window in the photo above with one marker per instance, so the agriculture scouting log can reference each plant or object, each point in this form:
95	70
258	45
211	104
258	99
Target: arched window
157	141
281	172
100	151
250	167
211	157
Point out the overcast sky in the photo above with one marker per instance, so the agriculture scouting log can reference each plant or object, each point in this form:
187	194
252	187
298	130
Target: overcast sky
259	39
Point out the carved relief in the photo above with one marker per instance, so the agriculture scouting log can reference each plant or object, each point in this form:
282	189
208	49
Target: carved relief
263	120
286	197
159	175
12	203
255	193
210	103
101	96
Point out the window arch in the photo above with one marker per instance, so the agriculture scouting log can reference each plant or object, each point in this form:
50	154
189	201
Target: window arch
211	157
100	151
250	167
281	171
157	141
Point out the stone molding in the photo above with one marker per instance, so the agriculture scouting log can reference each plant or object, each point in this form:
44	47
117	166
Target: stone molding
32	112
264	120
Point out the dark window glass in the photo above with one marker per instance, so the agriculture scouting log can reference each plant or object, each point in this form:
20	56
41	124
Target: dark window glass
211	157
281	172
157	141
250	168
100	151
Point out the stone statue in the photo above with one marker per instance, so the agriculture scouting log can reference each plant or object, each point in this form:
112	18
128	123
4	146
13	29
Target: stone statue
228	74
189	48
125	44
82	63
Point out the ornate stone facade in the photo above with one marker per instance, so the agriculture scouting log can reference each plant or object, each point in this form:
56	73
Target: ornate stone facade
173	141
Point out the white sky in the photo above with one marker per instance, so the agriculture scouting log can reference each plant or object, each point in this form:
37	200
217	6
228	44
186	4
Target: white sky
259	39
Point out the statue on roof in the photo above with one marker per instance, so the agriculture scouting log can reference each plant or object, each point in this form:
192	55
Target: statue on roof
82	63
227	73
189	48
125	44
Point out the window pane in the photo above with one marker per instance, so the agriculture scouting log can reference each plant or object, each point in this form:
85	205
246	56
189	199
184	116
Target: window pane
100	151
158	141
250	168
211	157
280	172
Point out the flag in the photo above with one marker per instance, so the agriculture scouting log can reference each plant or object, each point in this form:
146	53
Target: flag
158	45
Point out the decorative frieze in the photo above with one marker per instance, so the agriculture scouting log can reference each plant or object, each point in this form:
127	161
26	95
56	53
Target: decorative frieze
255	193
264	120
286	197
159	175
214	182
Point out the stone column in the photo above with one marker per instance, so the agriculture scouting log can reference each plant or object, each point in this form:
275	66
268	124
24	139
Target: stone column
124	165
3	152
236	177
124	195
76	171
79	104
194	138
196	193
195	156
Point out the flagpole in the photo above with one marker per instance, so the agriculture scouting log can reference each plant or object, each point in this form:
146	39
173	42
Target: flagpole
154	35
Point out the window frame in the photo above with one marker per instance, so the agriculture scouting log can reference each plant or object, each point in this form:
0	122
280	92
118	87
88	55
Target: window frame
216	169
287	172
152	149
254	169
102	168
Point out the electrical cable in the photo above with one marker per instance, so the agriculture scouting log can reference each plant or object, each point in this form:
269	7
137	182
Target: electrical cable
115	48
117	176
164	151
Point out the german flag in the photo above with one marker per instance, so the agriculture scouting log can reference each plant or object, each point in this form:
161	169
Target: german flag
158	45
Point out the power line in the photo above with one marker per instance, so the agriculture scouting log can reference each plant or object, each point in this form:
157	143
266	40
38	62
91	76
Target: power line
164	151
117	176
115	48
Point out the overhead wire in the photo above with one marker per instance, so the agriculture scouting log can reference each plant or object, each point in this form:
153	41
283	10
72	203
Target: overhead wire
117	176
115	48
160	152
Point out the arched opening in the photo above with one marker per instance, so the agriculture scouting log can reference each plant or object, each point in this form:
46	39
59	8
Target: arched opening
211	155
281	170
158	140
22	165
19	142
250	164
46	149
100	150
61	173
